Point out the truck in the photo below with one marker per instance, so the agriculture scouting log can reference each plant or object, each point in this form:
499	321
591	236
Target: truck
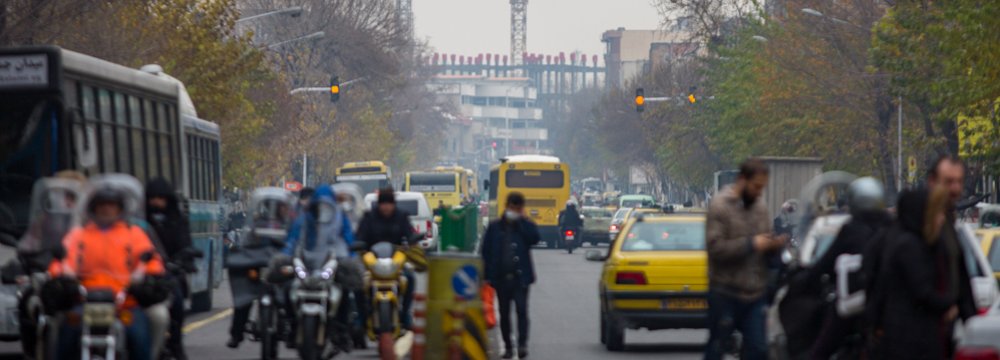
787	177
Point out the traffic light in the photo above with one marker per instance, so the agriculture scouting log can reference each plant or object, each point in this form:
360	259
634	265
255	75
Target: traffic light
494	144
691	98
334	89
640	100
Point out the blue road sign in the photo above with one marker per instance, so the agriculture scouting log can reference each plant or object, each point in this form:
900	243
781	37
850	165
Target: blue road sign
465	282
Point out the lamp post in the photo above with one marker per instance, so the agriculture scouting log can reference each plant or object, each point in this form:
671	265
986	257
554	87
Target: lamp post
314	35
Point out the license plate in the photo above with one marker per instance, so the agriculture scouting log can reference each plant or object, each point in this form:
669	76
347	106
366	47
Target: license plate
685	304
569	237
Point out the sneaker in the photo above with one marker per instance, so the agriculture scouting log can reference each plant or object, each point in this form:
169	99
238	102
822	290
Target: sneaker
522	352
508	353
233	343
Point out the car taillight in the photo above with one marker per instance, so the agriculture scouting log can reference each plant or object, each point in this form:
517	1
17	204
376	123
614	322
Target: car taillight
613	228
569	232
430	229
977	353
630	278
983	311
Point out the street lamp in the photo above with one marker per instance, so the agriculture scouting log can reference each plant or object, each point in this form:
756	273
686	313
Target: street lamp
293	11
816	13
759	38
314	35
812	12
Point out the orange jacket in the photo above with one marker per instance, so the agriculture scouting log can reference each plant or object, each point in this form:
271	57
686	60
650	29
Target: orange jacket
106	258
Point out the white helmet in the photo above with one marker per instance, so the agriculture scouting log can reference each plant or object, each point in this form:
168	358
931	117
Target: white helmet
865	194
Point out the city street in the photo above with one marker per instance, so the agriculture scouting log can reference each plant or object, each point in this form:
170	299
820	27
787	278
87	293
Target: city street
564	310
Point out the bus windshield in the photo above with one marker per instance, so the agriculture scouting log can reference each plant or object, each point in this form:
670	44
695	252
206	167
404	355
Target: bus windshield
21	157
552	179
443	182
368	183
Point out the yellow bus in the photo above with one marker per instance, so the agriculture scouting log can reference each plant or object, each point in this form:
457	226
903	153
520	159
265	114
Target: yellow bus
544	181
438	187
369	175
466	179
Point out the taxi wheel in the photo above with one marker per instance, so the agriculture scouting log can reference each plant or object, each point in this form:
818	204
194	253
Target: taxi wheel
615	335
604	329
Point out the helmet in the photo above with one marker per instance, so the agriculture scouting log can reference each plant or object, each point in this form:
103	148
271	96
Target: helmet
105	195
865	194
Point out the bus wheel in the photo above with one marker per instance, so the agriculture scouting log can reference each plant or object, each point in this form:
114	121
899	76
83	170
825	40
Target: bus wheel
201	301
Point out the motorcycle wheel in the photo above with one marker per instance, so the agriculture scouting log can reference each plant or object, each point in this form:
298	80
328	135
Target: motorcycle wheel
267	332
569	248
309	349
386	346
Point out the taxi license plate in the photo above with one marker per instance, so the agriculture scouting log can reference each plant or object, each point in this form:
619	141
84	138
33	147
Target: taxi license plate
569	237
685	304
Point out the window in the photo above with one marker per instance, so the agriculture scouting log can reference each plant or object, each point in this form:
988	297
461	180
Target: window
105	133
429	182
994	255
480	101
87	102
494	184
152	141
122	148
138	143
518	124
166	143
534	179
665	236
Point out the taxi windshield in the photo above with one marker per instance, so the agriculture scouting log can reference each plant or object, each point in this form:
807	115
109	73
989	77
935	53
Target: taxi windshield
665	236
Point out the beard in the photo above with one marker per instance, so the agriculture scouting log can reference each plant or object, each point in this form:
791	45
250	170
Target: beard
748	199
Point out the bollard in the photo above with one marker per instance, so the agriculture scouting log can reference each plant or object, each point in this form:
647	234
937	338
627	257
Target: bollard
419	317
454	319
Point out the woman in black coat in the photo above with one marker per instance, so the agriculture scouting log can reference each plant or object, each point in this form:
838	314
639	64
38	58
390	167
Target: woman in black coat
917	309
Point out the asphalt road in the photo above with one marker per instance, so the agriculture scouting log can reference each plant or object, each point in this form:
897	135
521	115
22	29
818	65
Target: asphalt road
564	319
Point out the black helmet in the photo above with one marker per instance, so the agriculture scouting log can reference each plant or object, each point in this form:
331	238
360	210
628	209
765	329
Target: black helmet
106	195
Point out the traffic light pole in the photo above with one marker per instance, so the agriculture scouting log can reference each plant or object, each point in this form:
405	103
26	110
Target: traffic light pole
325	88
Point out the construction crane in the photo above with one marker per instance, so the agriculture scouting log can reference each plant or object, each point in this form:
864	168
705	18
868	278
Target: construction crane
518	31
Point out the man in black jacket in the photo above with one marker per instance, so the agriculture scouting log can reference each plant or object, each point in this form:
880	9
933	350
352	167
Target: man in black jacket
390	224
164	214
508	267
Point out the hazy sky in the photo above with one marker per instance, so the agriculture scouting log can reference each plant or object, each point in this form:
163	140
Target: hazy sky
470	27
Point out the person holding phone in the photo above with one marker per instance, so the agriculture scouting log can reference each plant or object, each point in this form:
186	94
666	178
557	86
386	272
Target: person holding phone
740	241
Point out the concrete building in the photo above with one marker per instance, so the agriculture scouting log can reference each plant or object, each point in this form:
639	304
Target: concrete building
497	116
629	53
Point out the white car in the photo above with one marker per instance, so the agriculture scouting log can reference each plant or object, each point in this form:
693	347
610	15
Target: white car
824	230
421	217
982	336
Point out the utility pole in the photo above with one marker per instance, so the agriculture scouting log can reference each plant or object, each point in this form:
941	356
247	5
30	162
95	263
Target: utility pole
899	145
518	31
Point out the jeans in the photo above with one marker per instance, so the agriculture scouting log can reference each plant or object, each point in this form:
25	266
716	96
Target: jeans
513	291
726	314
136	335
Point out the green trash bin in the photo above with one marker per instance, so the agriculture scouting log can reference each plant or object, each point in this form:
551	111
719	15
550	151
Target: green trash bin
459	229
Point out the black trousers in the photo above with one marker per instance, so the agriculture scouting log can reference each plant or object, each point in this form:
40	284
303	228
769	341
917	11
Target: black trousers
516	293
176	340
241	314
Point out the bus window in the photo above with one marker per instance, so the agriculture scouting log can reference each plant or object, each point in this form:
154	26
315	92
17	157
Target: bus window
443	182
494	184
121	135
138	143
534	179
166	156
106	135
152	141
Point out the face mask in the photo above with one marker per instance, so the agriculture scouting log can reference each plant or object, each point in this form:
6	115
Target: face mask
512	215
347	206
159	217
326	213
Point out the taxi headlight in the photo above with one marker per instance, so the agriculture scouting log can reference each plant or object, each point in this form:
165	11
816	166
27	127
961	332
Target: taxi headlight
384	268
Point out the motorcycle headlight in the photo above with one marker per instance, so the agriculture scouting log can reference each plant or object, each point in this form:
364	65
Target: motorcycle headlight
384	268
301	272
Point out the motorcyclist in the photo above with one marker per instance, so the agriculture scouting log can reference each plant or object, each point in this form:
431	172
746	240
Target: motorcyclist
53	203
105	253
784	223
305	196
866	202
271	210
164	214
387	223
324	229
569	219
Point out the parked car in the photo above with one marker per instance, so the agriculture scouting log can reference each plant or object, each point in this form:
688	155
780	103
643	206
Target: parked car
616	223
989	240
421	217
628	214
655	276
596	222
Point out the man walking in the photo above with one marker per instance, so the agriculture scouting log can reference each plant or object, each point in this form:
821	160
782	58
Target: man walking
508	267
739	240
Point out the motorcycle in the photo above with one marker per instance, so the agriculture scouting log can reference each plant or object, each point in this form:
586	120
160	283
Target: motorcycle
569	238
385	284
316	299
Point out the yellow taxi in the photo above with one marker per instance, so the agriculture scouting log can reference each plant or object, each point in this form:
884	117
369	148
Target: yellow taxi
655	276
989	239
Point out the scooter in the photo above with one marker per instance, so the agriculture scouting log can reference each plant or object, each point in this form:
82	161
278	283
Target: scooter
386	285
316	299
